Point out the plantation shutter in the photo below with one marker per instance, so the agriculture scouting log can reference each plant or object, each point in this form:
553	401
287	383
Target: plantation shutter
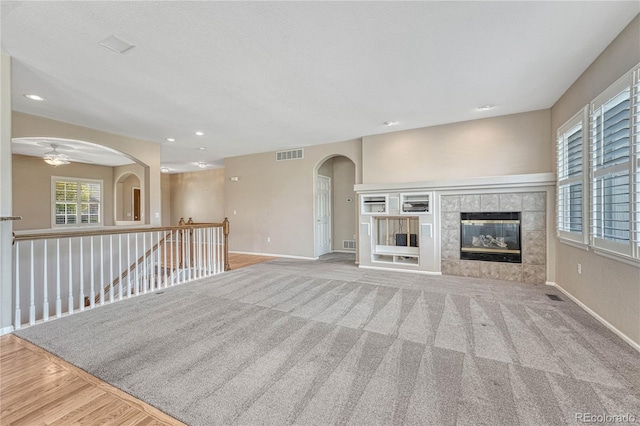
611	169
570	179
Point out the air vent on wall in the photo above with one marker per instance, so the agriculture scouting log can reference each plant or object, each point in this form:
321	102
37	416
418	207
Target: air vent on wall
349	244
294	154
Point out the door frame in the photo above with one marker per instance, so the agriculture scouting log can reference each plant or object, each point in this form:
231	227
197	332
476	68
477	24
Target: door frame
315	206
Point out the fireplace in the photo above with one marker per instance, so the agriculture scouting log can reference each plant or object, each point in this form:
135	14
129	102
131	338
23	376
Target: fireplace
490	236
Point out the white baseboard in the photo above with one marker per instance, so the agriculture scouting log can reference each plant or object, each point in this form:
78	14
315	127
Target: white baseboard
274	255
382	268
6	330
632	343
344	251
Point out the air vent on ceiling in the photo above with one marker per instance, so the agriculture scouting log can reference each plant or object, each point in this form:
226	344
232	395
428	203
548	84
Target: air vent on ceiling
294	154
349	244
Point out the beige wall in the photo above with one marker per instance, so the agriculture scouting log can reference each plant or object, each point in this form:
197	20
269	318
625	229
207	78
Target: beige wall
6	208
276	199
32	189
507	145
344	212
145	152
608	287
165	184
199	195
124	179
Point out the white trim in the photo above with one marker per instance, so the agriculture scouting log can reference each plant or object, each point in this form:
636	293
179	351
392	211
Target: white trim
274	255
343	251
395	269
79	181
493	182
635	345
616	256
573	243
6	330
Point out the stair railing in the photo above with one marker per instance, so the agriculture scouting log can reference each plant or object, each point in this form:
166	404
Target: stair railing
65	272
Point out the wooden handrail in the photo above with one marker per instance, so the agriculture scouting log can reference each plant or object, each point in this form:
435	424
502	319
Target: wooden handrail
98	232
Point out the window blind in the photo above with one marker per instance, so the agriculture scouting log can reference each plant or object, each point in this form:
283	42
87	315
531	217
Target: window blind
570	179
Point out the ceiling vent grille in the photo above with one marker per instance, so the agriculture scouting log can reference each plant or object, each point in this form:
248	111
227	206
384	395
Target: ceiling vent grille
294	154
348	244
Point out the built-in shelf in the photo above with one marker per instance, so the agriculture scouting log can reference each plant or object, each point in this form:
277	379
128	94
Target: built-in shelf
374	204
415	203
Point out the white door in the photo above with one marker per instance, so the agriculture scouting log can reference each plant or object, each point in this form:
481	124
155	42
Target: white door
323	215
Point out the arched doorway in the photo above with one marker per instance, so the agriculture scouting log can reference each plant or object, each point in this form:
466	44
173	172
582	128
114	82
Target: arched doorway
334	206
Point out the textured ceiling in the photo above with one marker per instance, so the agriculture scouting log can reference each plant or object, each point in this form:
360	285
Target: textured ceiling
262	76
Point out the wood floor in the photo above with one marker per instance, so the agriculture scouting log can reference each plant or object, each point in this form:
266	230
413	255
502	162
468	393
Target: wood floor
38	388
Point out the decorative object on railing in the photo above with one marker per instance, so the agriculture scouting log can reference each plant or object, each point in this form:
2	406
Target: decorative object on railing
57	270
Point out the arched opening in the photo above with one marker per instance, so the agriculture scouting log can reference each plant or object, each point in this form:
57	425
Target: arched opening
119	184
334	206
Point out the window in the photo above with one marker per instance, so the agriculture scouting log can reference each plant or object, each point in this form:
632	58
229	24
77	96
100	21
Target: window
615	188
76	201
570	189
598	159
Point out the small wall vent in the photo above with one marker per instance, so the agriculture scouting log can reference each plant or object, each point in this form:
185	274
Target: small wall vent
294	154
348	244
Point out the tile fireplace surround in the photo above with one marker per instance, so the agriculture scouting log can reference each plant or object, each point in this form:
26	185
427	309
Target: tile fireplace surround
533	233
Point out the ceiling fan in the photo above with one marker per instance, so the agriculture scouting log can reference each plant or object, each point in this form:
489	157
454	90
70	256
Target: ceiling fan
56	158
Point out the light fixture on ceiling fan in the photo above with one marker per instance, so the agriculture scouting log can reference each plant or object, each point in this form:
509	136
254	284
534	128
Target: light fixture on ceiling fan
55	158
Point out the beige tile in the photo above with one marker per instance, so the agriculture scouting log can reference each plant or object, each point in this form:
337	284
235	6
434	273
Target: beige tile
511	271
490	270
534	274
534	248
511	202
450	203
470	268
450	267
470	203
450	250
451	235
489	202
533	221
451	220
534	201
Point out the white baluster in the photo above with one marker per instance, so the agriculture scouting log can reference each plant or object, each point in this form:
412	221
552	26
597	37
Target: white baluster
137	266
102	270
189	242
221	258
81	297
144	262
92	292
111	279
45	283
120	267
128	266
164	266
58	299
200	253
152	274
184	256
173	253
159	262
70	299
32	290
17	322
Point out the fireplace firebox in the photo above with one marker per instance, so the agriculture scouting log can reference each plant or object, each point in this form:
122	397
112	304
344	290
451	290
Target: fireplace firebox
490	236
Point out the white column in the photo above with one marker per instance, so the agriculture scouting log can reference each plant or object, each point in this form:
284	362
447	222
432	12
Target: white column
6	194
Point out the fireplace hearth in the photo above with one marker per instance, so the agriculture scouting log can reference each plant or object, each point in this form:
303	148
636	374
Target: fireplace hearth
490	236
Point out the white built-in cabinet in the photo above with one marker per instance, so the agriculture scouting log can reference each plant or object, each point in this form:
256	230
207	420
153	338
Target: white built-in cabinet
396	230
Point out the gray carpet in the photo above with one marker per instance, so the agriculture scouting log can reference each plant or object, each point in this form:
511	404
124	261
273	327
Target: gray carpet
323	343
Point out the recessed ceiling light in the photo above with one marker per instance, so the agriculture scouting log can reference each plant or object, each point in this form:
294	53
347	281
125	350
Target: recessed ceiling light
34	97
164	169
201	148
390	123
199	133
115	43
485	107
202	165
171	140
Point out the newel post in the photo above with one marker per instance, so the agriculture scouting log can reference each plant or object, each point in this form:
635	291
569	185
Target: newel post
226	244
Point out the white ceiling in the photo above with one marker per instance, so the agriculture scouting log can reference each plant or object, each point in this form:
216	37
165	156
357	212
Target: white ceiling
262	76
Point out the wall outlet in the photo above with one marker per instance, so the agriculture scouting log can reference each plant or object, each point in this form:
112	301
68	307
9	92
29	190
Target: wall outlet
579	269
157	215
268	239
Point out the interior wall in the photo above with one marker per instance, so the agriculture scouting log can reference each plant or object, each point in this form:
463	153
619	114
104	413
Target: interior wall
122	186
165	185
26	125
6	199
197	195
275	199
608	287
506	145
32	189
344	211
127	196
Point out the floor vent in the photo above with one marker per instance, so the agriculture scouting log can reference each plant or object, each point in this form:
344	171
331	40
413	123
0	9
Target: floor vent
349	244
554	297
294	154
